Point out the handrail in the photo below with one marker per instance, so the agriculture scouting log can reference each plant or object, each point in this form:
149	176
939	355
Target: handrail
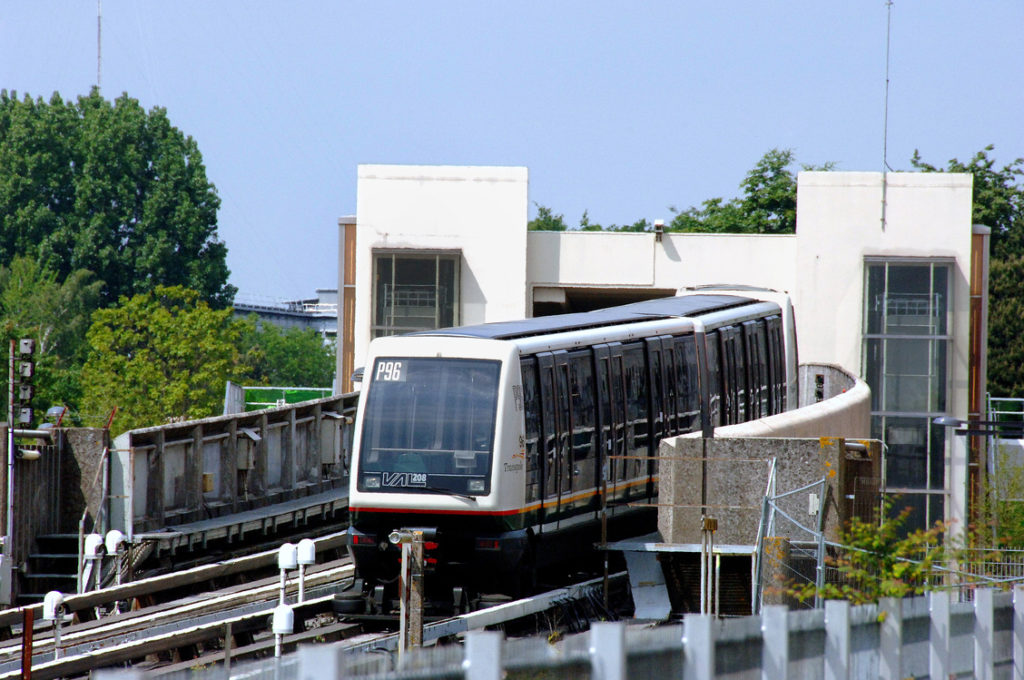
85	512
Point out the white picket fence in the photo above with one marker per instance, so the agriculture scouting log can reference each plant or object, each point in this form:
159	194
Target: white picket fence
933	636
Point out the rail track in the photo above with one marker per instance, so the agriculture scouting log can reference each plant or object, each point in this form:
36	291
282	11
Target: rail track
174	617
220	613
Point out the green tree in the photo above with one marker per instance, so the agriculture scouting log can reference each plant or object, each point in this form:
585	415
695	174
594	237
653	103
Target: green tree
546	220
715	216
998	198
296	357
768	204
56	314
161	354
998	203
110	188
1006	327
882	559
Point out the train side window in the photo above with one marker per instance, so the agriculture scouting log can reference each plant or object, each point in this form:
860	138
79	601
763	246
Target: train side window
742	388
757	380
714	379
636	408
584	414
550	431
764	382
531	413
621	430
564	410
673	398
729	375
687	384
776	364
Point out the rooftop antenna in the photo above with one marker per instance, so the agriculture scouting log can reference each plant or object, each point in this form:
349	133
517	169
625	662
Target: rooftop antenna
885	123
99	43
885	120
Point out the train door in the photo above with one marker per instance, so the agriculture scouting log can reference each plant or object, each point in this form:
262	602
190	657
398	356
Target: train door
611	416
555	422
638	433
710	382
752	359
776	365
727	361
687	384
532	444
659	357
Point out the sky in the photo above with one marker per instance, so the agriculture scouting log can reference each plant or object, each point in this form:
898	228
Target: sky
622	110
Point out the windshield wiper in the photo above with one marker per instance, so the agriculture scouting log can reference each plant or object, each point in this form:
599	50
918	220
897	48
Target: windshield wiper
446	492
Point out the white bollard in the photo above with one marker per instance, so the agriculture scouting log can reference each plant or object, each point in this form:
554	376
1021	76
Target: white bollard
91	553
287	559
283	624
306	555
53	610
113	543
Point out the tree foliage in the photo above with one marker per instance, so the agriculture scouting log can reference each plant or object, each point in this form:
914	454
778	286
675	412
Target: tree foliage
33	303
546	220
110	188
159	355
998	199
767	205
1006	327
998	203
881	559
293	357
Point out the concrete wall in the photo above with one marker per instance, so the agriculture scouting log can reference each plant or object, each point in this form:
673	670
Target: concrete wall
480	211
203	469
727	478
51	493
845	413
727	475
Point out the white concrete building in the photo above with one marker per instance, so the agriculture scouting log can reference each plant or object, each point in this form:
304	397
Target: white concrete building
886	273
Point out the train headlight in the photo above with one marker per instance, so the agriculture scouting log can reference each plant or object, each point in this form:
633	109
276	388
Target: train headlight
476	485
371	481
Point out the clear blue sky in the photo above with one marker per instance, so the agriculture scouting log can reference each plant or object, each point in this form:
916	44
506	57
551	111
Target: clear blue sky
620	109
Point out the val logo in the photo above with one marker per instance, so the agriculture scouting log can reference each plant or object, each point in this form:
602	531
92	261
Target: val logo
404	479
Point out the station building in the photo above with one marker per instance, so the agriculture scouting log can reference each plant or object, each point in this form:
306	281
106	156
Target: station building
886	272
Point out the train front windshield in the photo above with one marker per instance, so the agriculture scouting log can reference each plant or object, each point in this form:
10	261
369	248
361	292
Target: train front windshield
428	426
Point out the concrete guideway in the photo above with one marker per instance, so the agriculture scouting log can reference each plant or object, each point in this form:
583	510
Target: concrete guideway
157	584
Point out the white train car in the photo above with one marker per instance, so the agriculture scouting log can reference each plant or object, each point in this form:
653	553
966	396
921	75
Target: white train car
508	439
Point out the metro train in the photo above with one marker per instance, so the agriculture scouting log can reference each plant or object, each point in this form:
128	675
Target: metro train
510	440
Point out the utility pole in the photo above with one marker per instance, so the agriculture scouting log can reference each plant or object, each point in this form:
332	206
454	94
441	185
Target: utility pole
410	588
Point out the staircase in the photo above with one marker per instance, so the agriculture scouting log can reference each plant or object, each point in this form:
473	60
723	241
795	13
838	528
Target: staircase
54	567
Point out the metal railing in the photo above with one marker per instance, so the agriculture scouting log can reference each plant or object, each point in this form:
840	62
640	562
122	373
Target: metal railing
928	636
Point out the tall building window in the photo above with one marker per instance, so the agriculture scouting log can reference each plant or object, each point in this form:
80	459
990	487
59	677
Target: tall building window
907	346
414	291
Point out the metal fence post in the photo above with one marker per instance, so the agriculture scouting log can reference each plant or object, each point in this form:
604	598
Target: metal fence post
938	634
608	650
1018	631
837	640
699	647
984	634
890	639
482	659
775	646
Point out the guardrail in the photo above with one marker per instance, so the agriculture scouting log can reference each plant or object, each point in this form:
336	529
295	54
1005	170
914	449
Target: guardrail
929	636
186	472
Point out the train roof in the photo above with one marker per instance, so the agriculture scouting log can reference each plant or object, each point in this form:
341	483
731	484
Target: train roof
648	310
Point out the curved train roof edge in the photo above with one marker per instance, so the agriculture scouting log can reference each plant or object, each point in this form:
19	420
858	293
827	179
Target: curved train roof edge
694	304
